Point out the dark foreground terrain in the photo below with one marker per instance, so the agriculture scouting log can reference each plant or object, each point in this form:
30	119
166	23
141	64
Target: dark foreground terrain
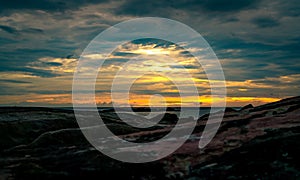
252	143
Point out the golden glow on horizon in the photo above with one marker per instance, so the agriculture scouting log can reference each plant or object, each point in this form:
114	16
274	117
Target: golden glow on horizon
104	100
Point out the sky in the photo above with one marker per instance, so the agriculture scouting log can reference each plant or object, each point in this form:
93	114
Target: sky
257	43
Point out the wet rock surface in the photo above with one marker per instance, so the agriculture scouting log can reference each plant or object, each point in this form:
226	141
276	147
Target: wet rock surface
252	143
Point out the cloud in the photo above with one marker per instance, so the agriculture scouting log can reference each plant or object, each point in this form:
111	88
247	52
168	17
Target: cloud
265	22
47	5
135	7
32	30
55	66
13	81
13	30
37	100
8	29
31	4
256	41
226	6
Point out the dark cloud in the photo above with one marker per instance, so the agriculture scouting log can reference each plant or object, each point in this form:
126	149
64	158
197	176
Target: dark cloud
12	30
231	19
4	40
30	71
32	4
52	63
8	29
186	67
227	6
288	8
116	53
14	81
136	7
12	59
46	5
265	22
256	60
151	41
21	91
33	30
51	91
153	92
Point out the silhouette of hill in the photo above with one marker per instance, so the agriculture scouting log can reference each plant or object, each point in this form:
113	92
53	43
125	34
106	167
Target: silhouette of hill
252	143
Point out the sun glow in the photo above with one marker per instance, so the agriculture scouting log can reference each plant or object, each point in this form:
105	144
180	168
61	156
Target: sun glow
144	87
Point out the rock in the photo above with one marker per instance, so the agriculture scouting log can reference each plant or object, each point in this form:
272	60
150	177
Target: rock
229	109
45	143
249	106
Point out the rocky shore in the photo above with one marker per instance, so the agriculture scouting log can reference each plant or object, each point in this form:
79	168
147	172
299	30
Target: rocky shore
252	143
